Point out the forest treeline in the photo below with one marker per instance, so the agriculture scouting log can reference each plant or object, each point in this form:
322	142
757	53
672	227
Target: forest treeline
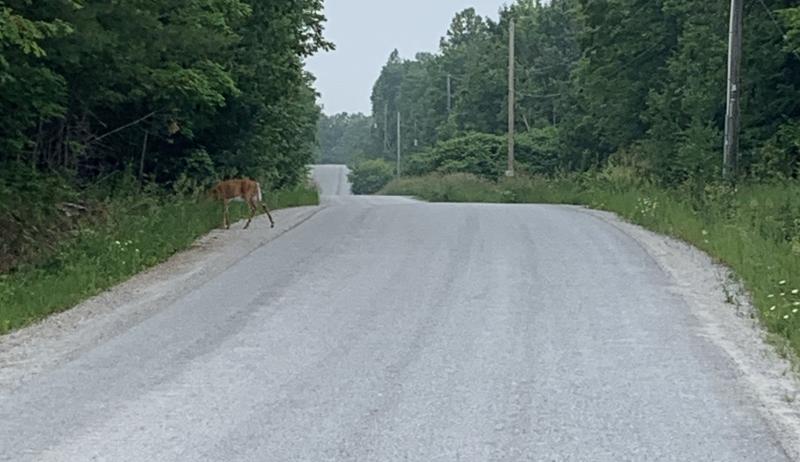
128	109
116	116
172	91
634	82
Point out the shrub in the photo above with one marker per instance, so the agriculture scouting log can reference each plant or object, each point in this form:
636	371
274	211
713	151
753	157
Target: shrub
370	176
485	155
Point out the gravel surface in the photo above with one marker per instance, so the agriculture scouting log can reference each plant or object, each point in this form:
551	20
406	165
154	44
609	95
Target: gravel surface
384	329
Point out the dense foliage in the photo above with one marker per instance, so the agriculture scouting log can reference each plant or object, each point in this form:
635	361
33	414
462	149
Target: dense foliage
176	91
369	176
486	155
633	82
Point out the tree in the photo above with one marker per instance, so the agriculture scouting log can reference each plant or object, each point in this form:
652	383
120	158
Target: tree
171	88
632	81
27	85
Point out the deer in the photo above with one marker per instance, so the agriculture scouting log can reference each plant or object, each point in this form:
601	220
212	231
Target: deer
240	190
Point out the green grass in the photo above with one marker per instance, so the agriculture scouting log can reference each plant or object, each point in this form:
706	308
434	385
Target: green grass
754	229
135	234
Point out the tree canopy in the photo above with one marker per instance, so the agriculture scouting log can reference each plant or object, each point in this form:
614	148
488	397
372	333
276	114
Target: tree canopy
171	89
635	81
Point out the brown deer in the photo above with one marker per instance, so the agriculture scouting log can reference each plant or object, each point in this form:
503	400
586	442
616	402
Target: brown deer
242	190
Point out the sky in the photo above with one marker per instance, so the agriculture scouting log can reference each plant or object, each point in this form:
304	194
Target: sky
365	33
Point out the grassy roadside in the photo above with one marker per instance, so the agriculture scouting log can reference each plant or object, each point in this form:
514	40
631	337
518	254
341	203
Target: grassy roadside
754	229
133	234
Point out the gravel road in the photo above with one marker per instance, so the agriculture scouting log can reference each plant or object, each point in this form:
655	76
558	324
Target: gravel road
384	329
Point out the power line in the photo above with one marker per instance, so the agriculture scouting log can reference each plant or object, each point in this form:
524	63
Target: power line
542	96
778	25
631	62
615	31
615	74
618	29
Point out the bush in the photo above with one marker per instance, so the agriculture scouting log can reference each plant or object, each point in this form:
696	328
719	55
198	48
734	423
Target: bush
538	151
485	155
455	187
478	154
371	176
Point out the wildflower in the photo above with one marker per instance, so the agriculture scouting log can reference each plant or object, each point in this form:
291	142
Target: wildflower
771	296
794	311
796	304
705	233
117	242
796	291
773	308
782	283
786	317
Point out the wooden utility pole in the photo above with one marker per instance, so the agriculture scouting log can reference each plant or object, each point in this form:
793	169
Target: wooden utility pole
386	127
141	159
732	123
399	145
511	98
449	94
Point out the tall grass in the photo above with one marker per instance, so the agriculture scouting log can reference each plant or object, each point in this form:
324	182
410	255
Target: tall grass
136	233
753	229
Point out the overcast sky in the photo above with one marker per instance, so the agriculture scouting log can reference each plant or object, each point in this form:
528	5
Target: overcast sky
365	33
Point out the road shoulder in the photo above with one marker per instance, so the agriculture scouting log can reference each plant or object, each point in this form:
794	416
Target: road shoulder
728	320
56	340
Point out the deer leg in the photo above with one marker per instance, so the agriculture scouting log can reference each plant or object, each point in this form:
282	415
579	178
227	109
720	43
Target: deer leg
266	210
225	220
252	210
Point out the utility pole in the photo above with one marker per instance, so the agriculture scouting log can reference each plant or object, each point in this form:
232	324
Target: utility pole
399	145
733	112
511	98
449	94
386	127
141	159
